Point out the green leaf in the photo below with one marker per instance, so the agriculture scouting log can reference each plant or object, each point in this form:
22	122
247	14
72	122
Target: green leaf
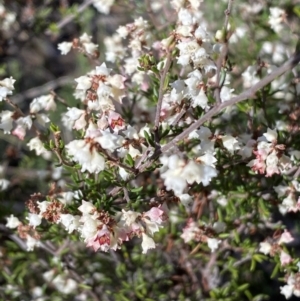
129	160
276	270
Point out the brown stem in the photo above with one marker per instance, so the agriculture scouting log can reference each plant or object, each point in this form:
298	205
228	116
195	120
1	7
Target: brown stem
161	89
223	53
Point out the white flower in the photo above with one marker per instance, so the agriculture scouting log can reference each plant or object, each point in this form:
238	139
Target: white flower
213	244
129	217
200	100
89	228
288	204
63	285
131	132
48	276
6	87
86	207
6	121
12	222
226	93
276	18
70	222
123	31
4	184
74	118
186	200
103	6
110	141
43	206
271	135
66	197
147	243
64	47
86	155
45	102
123	173
90	48
37	145
31	243
85	38
230	143
250	77
34	219
265	248
83	83
287	290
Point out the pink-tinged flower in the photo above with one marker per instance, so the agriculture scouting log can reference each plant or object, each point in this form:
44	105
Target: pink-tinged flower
155	214
19	132
115	121
285	238
101	240
259	164
285	258
272	162
23	123
190	231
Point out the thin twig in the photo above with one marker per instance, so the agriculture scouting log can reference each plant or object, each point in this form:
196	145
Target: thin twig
17	109
161	89
60	99
43	89
223	53
178	117
70	18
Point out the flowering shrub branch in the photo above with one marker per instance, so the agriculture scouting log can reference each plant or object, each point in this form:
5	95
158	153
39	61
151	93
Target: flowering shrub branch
152	153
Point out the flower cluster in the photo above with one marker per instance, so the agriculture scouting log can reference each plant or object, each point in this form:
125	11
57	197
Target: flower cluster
83	44
269	155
